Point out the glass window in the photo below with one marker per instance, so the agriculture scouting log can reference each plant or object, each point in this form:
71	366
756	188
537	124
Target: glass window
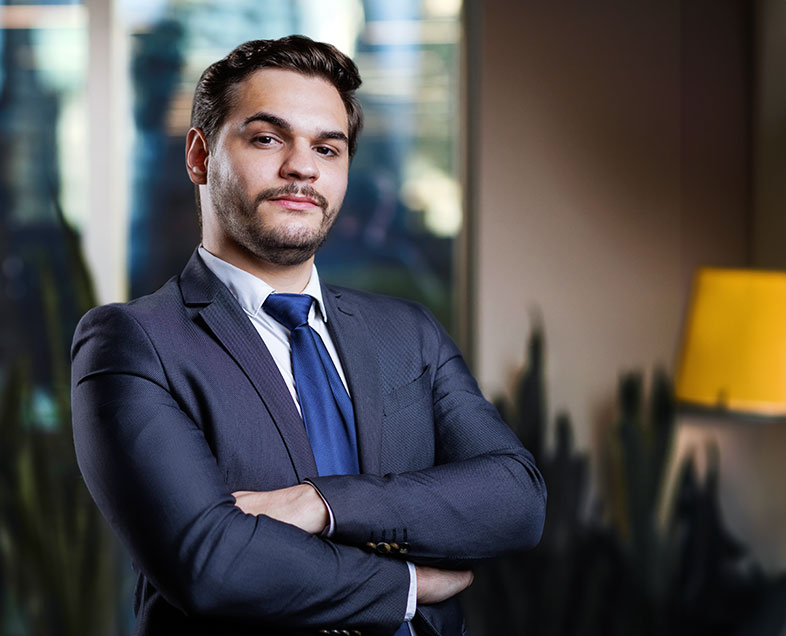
47	520
95	100
397	230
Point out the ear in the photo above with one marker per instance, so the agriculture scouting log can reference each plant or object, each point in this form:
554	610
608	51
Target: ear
196	156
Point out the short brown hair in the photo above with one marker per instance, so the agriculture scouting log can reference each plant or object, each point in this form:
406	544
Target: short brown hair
213	95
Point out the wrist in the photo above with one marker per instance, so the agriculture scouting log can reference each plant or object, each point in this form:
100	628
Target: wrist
323	517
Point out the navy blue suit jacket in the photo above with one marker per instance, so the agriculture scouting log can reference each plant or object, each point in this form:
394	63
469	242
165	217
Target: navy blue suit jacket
177	403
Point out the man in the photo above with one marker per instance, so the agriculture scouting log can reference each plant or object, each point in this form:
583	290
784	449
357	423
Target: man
338	470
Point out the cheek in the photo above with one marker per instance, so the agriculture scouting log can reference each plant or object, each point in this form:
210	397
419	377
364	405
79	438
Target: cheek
336	189
218	174
234	171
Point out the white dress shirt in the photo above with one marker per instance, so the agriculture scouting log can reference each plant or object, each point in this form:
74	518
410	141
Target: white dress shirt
251	292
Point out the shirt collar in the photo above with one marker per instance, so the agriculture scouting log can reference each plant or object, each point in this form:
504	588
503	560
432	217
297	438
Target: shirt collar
250	291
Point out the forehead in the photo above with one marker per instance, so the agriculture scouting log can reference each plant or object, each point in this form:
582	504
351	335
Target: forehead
307	102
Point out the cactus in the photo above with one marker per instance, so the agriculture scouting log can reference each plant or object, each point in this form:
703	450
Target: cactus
609	568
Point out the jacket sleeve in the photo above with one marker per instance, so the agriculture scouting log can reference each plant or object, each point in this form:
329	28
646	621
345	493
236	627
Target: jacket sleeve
155	479
483	497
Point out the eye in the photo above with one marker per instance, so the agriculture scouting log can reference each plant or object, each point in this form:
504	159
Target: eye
326	151
264	140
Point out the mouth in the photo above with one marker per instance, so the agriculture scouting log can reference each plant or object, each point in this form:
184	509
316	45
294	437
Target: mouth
295	202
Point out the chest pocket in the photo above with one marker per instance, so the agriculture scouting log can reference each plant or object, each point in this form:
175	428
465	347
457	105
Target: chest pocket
408	426
408	394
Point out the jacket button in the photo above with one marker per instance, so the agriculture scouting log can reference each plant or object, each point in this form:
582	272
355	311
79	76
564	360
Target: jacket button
404	548
371	545
383	548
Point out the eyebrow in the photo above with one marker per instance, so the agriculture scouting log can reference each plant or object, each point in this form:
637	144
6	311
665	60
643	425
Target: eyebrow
284	125
333	134
278	122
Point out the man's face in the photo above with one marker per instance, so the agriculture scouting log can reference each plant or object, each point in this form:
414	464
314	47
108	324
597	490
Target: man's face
277	170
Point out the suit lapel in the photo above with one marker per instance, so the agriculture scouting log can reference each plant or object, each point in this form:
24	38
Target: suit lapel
223	316
361	367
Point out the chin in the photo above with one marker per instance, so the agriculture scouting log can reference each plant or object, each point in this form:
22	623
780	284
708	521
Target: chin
288	256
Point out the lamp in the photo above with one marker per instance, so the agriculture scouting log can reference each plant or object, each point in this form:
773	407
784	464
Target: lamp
734	350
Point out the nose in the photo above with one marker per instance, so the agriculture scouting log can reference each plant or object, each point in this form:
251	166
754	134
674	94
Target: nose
300	163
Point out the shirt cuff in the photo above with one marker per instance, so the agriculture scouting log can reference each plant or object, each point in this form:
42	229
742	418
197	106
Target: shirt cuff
412	599
412	596
331	528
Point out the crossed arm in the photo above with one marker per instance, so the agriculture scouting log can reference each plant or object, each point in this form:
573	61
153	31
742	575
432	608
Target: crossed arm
301	506
155	478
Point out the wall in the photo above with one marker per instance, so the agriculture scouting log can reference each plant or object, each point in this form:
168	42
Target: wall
612	161
751	453
769	184
619	147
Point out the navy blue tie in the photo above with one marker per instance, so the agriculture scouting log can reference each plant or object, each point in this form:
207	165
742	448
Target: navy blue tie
324	402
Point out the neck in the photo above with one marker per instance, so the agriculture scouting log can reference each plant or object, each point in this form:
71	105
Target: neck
289	279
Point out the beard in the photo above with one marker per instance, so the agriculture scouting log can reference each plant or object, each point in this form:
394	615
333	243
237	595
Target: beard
283	244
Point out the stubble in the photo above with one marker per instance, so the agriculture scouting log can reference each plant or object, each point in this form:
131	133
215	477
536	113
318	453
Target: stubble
281	244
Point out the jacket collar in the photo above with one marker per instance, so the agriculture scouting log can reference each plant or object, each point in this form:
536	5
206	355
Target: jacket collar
221	314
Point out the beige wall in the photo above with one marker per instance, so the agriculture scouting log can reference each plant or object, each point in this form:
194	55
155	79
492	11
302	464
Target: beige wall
593	205
751	454
769	189
619	146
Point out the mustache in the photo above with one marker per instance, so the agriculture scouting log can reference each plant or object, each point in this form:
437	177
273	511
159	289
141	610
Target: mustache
292	188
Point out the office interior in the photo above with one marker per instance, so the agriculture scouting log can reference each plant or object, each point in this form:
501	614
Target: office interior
549	185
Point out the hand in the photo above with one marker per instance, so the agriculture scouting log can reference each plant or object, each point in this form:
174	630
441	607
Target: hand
435	585
299	506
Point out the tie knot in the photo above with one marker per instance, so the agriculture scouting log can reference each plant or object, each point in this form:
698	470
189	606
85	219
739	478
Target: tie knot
291	310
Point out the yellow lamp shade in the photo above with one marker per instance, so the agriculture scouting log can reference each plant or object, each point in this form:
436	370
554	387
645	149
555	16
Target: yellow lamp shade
734	349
